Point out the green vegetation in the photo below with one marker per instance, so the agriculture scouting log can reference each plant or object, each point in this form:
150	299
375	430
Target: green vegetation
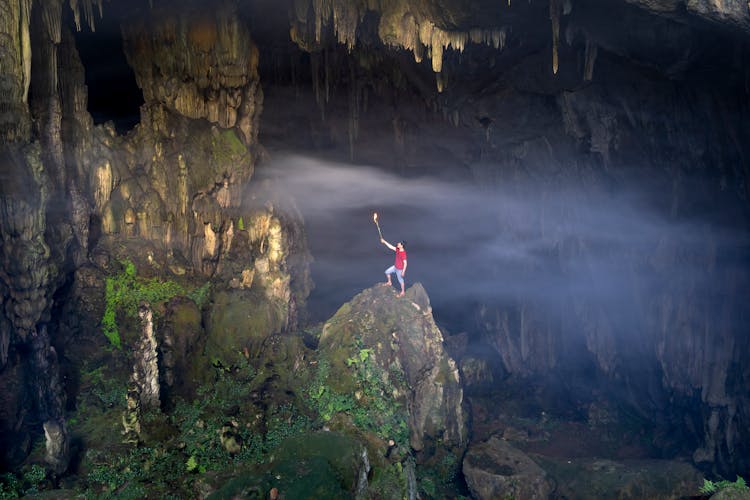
125	291
30	482
711	487
227	148
107	390
373	406
192	440
200	294
324	399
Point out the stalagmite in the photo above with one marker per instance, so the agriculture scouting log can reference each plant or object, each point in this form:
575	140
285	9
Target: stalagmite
102	184
57	446
145	376
26	46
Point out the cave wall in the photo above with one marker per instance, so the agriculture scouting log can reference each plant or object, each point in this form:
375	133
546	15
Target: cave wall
499	89
78	197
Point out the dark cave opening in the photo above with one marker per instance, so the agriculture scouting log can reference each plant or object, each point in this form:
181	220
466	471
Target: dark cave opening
113	94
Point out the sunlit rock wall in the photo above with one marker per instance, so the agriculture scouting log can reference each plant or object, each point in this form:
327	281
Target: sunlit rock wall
175	178
15	69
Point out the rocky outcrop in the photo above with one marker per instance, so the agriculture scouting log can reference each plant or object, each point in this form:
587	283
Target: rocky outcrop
399	335
494	469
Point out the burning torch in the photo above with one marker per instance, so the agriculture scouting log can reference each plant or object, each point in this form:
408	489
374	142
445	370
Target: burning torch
375	220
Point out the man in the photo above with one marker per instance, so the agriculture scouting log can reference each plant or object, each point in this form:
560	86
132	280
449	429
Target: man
399	267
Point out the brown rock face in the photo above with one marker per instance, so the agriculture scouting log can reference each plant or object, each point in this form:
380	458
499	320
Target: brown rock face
199	64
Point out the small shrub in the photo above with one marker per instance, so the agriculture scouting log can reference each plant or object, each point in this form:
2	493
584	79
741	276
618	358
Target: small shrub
710	487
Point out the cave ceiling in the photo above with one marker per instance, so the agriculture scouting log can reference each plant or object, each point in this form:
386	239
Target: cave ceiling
666	36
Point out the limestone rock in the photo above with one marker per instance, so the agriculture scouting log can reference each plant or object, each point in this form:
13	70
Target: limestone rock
593	478
239	320
402	335
145	377
15	77
181	339
57	445
201	66
495	469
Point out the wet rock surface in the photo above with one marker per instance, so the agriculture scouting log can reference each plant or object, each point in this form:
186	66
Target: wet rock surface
494	469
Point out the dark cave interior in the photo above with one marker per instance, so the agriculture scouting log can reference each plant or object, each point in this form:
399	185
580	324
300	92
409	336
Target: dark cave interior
582	233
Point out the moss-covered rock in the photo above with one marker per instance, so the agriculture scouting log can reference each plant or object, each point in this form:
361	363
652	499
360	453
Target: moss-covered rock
310	466
240	320
387	352
181	338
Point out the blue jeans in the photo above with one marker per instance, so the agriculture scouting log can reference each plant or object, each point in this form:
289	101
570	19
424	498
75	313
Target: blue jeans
392	270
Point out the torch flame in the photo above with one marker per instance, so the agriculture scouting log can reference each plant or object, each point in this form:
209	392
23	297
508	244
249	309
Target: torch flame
375	217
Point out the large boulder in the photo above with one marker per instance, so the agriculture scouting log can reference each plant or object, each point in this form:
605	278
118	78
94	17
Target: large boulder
398	337
594	478
239	321
495	469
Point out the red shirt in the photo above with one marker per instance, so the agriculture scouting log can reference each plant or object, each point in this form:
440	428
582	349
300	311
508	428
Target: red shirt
400	258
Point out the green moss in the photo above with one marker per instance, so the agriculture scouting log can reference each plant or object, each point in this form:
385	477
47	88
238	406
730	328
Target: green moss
242	319
369	401
125	291
227	148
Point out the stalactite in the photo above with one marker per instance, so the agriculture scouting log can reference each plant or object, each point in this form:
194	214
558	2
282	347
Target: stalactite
76	14
26	46
590	57
52	17
555	9
88	12
327	69
353	109
318	84
346	18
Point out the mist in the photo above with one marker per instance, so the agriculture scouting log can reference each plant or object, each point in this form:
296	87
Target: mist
547	244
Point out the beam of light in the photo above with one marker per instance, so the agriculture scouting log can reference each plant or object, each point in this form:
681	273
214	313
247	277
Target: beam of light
539	243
